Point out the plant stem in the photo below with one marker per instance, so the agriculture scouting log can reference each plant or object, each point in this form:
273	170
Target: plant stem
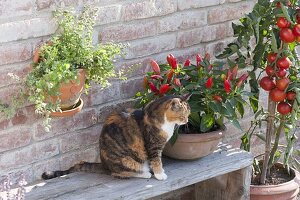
269	132
276	142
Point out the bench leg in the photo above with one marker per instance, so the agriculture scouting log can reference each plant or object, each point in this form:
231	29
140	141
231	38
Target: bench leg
231	186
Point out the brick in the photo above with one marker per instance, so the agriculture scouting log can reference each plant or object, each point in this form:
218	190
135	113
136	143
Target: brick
198	3
15	174
104	111
52	4
21	70
49	165
108	14
216	48
102	95
81	120
29	154
135	67
205	34
130	87
15	138
147	9
13	53
14	8
125	32
89	155
150	46
25	29
80	139
229	12
182	20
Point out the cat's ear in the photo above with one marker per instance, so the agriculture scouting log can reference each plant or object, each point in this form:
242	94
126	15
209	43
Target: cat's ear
186	97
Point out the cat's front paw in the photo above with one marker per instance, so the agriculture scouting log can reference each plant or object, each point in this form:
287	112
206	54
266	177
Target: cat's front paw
162	176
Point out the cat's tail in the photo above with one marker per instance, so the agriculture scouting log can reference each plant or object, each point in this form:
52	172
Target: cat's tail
81	167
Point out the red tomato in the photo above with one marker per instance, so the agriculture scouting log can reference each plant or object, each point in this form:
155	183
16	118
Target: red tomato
271	57
283	63
296	30
282	22
283	83
291	96
286	35
266	83
277	95
270	71
284	108
281	73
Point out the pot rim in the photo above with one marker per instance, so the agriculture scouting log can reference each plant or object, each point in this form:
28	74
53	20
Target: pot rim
200	137
295	180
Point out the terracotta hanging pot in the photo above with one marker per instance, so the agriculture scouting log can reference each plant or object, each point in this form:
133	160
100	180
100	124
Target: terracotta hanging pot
69	112
284	191
193	146
71	92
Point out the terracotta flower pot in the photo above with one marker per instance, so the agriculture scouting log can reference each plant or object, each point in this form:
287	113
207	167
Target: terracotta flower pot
71	92
284	191
69	112
193	146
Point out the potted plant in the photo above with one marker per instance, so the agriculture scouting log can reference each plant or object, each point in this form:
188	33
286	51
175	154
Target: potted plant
66	65
266	42
216	94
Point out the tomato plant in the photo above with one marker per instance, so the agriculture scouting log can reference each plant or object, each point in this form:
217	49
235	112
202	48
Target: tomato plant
266	41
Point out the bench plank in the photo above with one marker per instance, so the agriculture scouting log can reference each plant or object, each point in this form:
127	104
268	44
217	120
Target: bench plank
80	186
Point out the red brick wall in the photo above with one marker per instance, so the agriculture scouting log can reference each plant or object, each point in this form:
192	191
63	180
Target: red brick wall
153	28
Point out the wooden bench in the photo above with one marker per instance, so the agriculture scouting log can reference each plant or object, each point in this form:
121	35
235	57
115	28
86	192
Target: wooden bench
223	175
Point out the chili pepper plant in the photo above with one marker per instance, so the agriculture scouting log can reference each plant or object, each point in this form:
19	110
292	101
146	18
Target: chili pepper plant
216	92
275	28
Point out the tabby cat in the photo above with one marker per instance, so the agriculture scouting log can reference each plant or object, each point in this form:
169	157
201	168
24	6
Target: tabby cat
131	142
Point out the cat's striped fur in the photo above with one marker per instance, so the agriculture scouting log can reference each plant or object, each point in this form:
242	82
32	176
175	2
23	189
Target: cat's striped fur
131	142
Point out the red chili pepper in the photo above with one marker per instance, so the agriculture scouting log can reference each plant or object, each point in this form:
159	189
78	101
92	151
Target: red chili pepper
153	88
172	61
157	77
170	75
163	89
227	86
155	67
234	72
177	82
209	83
145	82
242	79
209	67
198	59
187	63
229	75
217	98
207	56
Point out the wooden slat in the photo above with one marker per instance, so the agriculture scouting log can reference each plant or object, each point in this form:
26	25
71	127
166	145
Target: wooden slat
80	186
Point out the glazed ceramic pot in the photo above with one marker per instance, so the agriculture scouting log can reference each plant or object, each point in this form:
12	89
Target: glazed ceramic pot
284	191
193	146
